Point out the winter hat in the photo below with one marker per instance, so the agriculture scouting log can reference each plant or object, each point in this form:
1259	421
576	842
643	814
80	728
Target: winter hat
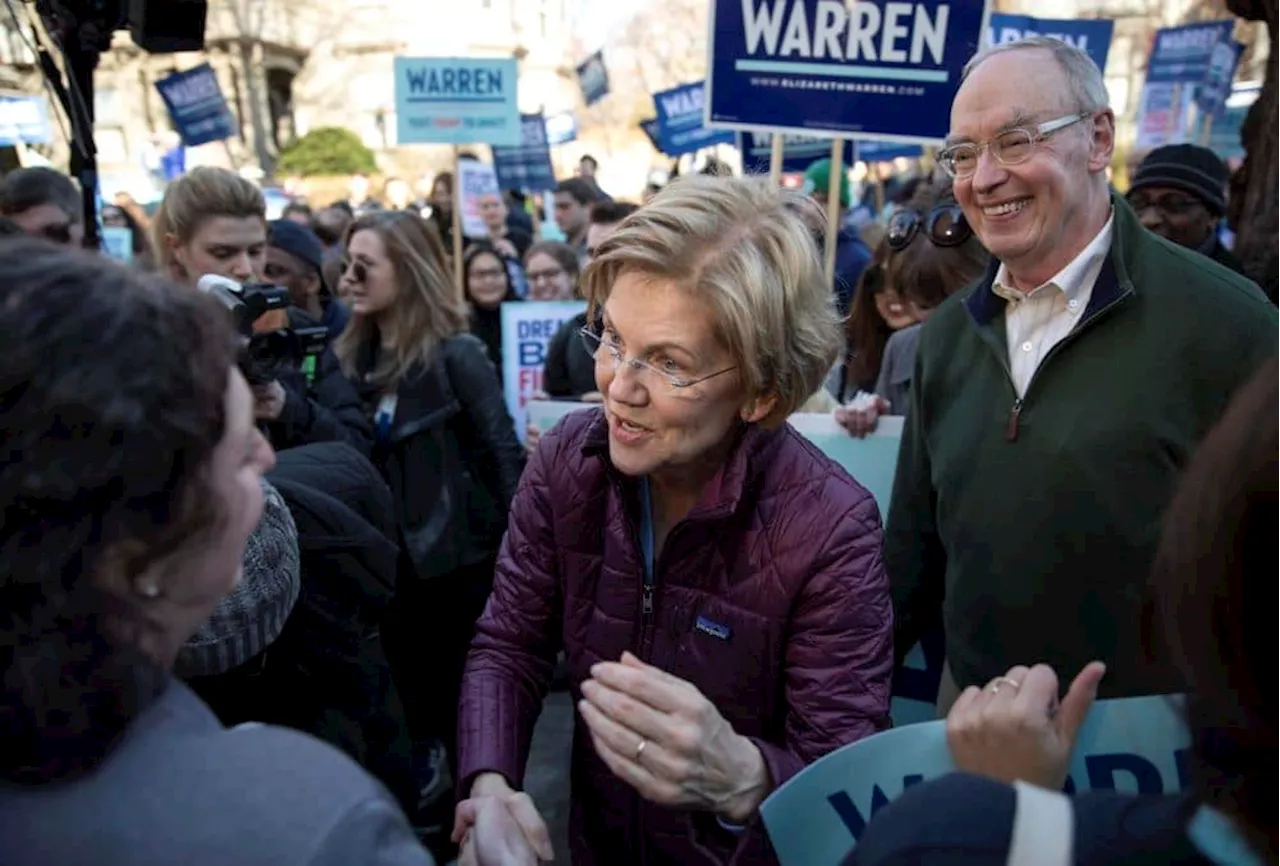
1187	167
299	241
817	178
252	616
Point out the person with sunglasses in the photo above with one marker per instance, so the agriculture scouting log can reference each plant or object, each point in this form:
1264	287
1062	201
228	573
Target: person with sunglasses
713	580
929	254
1056	400
44	203
1180	192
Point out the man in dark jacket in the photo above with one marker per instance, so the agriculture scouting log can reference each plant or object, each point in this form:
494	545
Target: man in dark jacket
1179	192
314	402
1056	401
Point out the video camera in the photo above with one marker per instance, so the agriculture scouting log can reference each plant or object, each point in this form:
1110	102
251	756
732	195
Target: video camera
259	313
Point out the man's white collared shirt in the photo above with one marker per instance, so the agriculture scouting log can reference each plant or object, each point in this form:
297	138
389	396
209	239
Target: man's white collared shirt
1038	320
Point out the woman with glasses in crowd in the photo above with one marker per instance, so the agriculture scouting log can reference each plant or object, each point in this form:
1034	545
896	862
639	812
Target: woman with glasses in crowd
552	269
487	284
714	581
132	481
928	253
445	443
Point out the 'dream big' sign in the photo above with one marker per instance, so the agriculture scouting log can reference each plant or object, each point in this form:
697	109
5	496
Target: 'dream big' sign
456	100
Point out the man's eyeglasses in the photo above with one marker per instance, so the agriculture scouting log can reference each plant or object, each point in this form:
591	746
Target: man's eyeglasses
1011	147
606	351
1168	205
944	226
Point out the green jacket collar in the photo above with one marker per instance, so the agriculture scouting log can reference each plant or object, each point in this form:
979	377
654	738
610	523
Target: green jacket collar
1113	283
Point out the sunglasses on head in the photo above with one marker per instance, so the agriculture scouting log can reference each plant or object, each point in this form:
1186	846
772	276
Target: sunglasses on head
944	226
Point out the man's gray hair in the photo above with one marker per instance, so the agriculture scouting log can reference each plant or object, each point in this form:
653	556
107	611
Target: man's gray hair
1084	78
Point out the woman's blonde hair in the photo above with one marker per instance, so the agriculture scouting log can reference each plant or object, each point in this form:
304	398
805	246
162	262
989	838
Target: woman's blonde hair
201	194
745	248
427	309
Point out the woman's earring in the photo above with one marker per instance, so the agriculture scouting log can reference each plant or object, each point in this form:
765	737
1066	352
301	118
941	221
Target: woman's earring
148	590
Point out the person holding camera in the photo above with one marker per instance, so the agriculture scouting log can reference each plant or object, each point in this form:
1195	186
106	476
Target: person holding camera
213	222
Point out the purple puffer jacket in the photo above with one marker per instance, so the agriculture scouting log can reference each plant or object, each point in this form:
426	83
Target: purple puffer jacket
771	598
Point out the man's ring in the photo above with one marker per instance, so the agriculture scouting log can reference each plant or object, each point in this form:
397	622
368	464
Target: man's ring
1003	681
640	750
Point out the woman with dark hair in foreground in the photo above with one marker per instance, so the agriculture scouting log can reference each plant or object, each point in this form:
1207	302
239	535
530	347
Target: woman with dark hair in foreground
130	482
1213	606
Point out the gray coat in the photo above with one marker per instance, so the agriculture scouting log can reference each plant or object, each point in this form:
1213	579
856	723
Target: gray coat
180	788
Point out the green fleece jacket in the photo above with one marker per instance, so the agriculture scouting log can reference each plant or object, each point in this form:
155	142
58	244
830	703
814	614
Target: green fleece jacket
1028	527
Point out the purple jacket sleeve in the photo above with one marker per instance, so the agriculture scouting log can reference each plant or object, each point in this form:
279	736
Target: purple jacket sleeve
839	657
513	654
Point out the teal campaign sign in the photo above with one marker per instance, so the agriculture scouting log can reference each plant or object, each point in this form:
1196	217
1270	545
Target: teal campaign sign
456	100
1133	745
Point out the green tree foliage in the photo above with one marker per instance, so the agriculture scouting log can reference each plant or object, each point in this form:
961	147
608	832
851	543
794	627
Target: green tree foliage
327	150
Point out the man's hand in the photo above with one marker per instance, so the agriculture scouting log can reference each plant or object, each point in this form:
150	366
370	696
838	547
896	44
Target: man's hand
268	401
497	826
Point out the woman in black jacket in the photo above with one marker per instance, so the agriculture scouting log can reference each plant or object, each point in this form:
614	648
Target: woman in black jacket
487	283
445	443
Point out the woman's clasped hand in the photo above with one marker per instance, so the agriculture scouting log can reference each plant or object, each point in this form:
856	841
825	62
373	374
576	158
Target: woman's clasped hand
660	734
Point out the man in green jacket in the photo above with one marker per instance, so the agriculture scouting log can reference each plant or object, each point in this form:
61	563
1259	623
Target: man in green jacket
1056	401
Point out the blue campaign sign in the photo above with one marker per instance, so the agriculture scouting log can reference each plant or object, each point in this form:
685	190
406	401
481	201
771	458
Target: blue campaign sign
562	128
680	120
1183	55
1134	745
1092	36
593	78
24	120
527	165
456	100
650	129
1211	95
887	151
196	105
798	151
871	69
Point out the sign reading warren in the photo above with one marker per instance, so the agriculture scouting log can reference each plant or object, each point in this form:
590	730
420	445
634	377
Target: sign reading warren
1092	36
680	114
456	100
528	165
1134	745
199	112
873	69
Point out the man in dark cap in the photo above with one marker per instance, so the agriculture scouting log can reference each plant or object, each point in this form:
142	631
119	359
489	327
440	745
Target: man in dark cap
1179	192
295	260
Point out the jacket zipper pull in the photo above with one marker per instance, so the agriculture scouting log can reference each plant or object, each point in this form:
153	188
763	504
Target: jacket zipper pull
1011	431
646	604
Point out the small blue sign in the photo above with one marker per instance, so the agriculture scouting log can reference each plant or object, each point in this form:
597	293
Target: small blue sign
1211	95
680	120
562	128
1182	55
650	129
798	151
1092	36
887	151
456	100
199	111
871	69
527	165
593	78
24	120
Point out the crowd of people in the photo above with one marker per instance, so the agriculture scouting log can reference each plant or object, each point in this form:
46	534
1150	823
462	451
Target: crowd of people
281	584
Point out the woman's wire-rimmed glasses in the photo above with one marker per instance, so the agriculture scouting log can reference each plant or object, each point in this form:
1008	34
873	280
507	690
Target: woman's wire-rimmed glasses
1011	147
601	348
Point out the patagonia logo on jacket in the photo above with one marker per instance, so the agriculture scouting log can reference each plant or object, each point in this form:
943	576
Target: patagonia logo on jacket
715	629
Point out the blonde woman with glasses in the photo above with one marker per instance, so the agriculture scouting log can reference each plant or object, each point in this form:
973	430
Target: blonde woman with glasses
444	442
713	579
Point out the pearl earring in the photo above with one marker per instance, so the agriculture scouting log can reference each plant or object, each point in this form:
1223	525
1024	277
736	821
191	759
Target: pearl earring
149	590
